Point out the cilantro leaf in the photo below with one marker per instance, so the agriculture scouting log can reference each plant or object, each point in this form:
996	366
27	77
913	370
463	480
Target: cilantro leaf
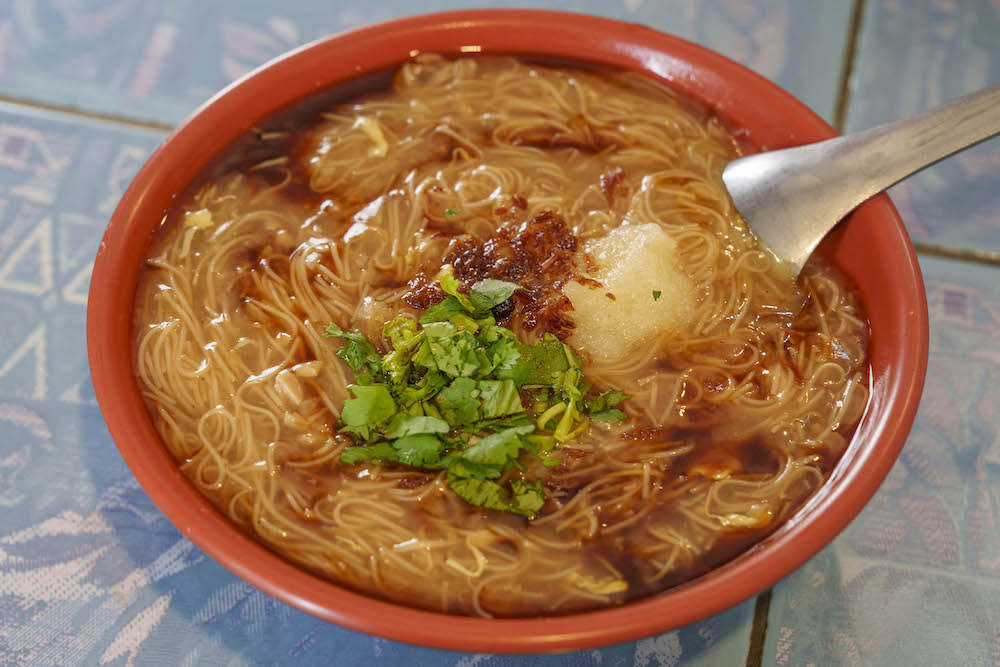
507	422
404	425
460	467
526	497
463	322
397	365
546	360
612	415
607	399
356	350
508	364
381	451
450	286
484	295
553	364
480	492
449	350
427	387
500	398
371	406
568	382
498	449
459	402
444	311
491	333
489	293
400	331
656	295
451	212
419	450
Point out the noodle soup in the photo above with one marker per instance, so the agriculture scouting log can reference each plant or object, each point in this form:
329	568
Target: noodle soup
598	194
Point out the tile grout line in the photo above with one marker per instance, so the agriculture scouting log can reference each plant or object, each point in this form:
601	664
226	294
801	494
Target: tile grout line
847	68
987	257
758	631
69	110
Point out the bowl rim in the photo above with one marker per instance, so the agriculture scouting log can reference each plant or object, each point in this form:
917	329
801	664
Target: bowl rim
733	91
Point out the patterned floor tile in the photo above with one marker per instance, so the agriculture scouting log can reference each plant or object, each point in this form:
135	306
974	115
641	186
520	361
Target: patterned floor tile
158	61
915	579
917	54
90	571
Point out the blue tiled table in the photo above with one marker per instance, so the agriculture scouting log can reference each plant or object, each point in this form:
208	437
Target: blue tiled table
92	573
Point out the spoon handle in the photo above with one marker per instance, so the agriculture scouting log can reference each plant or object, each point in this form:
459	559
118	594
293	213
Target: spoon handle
793	197
888	153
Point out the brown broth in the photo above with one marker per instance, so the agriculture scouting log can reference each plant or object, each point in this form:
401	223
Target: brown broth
228	349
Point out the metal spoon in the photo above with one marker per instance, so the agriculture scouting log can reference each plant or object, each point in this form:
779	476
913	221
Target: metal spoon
792	197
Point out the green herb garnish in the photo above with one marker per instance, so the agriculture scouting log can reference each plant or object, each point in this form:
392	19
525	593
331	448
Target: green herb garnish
451	394
372	404
356	350
613	415
451	212
656	295
608	399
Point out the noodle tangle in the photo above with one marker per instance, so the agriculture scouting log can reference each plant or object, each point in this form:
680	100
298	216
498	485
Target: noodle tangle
732	424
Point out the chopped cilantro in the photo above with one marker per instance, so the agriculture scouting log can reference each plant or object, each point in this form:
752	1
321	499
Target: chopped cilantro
422	449
449	350
489	293
451	212
356	350
429	385
484	295
396	365
612	415
482	492
450	286
400	332
444	311
608	399
568	427
547	360
382	451
508	360
500	398
601	408
498	449
448	395
526	497
403	425
459	402
507	422
371	406
656	295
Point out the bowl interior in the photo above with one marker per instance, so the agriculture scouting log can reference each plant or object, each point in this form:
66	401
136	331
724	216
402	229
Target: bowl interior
872	248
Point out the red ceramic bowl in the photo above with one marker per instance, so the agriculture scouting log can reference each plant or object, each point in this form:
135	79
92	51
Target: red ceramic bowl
872	248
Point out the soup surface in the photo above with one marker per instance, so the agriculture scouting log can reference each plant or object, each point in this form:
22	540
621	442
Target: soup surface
600	195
